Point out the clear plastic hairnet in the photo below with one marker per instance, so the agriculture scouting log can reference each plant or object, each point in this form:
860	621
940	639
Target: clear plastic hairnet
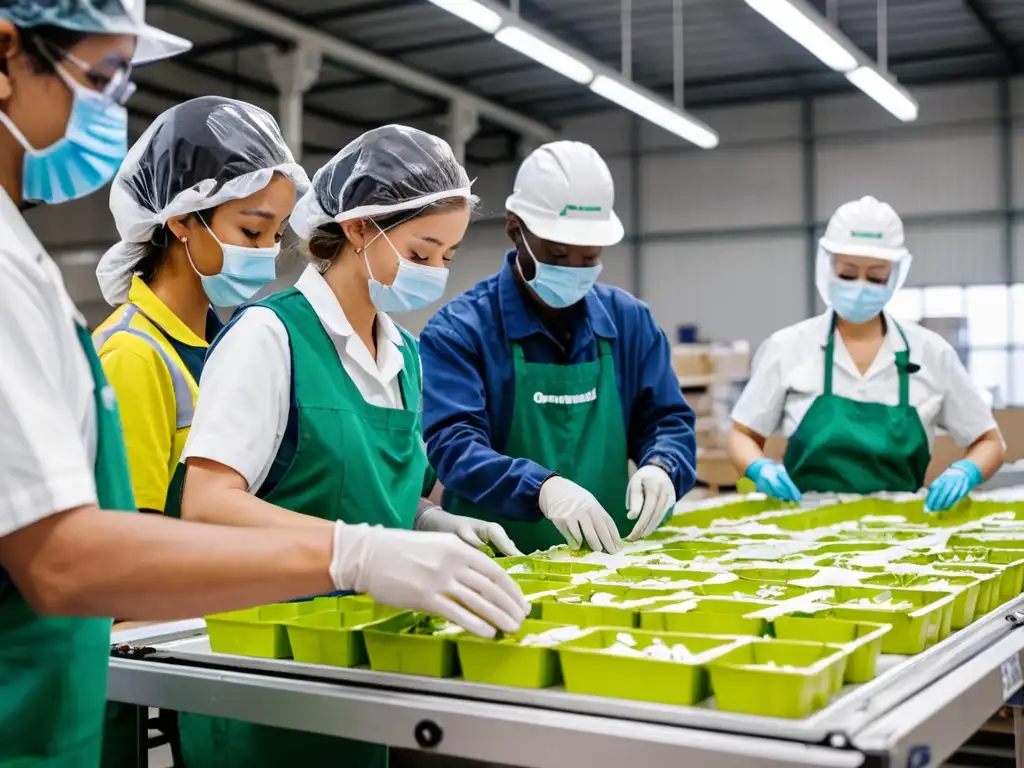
109	17
197	155
386	170
825	272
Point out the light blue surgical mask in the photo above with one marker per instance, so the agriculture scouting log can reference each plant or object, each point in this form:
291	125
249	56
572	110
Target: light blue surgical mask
415	285
560	287
93	147
243	272
858	301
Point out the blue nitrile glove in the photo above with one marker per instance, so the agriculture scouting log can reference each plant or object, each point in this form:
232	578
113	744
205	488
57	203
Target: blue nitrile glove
773	480
953	485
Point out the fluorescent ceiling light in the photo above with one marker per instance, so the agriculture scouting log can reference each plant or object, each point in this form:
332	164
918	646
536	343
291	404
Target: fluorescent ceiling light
544	53
886	92
473	12
804	30
670	119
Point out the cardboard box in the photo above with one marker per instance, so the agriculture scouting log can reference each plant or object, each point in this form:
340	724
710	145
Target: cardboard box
691	360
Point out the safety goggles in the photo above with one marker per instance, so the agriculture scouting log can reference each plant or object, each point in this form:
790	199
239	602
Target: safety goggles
111	78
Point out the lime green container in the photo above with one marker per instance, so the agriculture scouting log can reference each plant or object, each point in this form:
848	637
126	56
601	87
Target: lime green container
535	565
707	617
588	668
925	622
505	662
585	614
990	578
804	678
391	651
966	590
780	574
256	632
760	590
862	640
334	638
634	574
1009	562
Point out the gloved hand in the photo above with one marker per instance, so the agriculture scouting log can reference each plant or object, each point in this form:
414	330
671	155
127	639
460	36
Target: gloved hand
474	532
432	572
578	516
649	496
773	480
953	485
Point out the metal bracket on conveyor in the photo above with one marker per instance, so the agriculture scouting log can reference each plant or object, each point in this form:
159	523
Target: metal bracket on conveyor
1016	618
131	651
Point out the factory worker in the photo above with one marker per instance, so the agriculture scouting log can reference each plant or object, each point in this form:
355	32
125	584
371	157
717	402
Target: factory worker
201	203
309	404
540	384
71	555
858	395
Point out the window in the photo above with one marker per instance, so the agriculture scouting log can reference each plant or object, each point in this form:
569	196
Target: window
984	323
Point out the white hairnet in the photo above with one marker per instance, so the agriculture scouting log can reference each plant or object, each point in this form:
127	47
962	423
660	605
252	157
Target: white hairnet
386	170
195	156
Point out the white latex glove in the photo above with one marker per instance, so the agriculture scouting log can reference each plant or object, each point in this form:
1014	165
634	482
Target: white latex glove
649	496
476	533
578	516
431	572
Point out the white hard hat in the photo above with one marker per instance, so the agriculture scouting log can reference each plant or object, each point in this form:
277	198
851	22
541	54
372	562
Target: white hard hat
564	193
865	227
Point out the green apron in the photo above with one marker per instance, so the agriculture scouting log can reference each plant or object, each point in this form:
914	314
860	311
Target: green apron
567	418
353	461
54	670
846	446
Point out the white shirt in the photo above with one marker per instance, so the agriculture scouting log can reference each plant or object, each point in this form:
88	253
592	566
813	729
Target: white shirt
244	392
47	408
789	374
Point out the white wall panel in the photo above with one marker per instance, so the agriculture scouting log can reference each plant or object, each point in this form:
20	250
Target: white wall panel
1018	163
618	266
956	254
607	131
924	174
725	188
80	222
853	111
622	175
732	288
492	185
751	122
1018	255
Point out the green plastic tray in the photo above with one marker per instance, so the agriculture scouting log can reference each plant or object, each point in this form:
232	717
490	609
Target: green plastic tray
990	578
540	565
965	588
256	632
708	616
424	655
634	574
503	662
588	615
334	638
815	675
753	589
926	622
862	640
1010	561
588	669
780	574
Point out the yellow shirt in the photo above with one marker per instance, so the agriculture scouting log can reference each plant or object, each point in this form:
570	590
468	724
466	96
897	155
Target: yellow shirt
143	347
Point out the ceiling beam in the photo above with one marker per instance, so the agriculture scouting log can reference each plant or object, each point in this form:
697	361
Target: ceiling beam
246	14
995	34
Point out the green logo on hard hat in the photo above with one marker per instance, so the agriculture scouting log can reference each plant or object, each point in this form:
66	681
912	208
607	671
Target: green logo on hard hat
867	235
580	209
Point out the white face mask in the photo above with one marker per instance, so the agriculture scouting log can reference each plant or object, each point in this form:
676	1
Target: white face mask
415	286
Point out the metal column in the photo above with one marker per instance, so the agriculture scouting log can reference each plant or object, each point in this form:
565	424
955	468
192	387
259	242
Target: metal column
635	207
462	122
294	72
810	189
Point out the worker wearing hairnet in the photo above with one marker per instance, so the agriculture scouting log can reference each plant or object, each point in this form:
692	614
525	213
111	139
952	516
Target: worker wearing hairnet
858	395
309	412
201	203
541	384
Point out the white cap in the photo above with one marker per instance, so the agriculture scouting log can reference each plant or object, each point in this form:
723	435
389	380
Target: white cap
865	227
564	193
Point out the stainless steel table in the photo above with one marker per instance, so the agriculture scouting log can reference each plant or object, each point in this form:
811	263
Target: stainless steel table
916	713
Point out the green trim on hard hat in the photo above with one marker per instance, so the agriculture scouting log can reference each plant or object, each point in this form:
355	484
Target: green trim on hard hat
867	235
580	209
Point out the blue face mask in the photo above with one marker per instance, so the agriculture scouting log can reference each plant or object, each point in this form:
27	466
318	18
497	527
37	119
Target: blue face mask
94	144
243	272
858	301
560	287
415	286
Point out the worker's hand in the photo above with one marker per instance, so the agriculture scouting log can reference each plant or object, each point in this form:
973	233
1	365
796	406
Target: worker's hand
578	516
650	496
773	480
476	533
953	485
432	572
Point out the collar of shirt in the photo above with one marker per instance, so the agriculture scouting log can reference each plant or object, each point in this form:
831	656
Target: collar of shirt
312	285
885	359
152	307
521	321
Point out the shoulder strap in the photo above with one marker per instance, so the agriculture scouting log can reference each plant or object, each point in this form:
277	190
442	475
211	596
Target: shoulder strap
411	377
184	407
830	355
903	367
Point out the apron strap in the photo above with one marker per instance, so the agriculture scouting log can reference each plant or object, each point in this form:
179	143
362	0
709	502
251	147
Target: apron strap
517	352
902	367
830	356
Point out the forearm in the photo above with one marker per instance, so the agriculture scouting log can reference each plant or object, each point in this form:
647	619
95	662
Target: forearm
743	449
88	562
988	453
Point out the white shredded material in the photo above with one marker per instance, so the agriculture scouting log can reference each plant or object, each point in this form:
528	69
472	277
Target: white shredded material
551	637
626	645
